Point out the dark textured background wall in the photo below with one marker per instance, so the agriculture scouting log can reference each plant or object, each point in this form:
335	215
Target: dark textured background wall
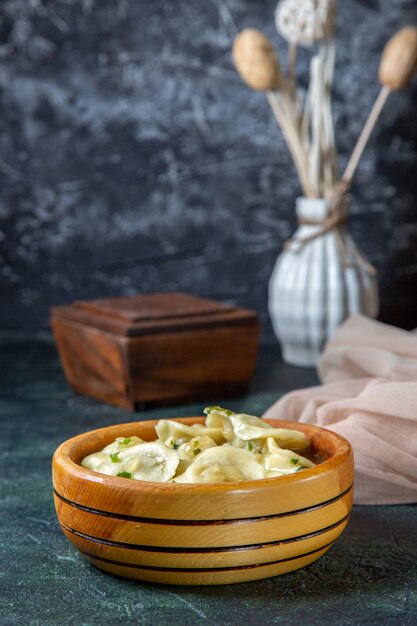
133	159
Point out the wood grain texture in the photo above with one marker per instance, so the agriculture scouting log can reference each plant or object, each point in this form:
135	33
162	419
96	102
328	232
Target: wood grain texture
153	307
200	363
153	313
158	348
369	575
202	533
94	362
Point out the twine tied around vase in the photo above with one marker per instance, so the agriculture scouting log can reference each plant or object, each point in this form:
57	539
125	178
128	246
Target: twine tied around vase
333	222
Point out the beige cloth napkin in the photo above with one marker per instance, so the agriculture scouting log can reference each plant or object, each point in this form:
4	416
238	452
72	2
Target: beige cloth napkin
369	396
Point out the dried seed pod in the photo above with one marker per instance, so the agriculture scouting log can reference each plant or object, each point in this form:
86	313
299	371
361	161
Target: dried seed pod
256	61
305	22
399	59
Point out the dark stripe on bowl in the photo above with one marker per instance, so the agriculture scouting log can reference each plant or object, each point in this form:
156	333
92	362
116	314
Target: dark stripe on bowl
189	550
195	570
180	522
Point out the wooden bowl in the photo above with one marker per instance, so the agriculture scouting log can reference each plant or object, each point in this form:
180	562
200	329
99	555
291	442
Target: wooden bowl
202	534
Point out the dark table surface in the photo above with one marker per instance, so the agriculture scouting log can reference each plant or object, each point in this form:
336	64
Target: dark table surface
369	576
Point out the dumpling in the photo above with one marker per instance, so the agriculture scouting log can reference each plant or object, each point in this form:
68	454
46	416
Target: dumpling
189	450
151	461
222	464
103	458
121	443
217	417
168	430
230	447
278	461
248	427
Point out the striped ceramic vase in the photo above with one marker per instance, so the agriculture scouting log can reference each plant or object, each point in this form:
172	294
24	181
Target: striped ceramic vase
315	286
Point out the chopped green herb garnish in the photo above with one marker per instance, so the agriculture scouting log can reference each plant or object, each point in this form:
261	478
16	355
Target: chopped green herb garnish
294	461
174	444
217	409
124	475
125	441
250	446
196	451
115	457
196	444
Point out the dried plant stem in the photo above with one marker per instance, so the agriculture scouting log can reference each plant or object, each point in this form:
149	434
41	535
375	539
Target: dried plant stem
285	120
305	123
315	124
293	120
292	66
329	156
365	134
317	134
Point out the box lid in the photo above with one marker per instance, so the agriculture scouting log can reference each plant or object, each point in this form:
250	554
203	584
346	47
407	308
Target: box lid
151	313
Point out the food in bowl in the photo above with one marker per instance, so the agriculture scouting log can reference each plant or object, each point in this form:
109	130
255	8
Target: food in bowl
229	447
202	533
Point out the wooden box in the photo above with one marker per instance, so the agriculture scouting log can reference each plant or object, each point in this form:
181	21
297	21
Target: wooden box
161	348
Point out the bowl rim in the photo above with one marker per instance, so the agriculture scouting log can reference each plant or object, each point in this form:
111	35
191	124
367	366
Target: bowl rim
62	459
